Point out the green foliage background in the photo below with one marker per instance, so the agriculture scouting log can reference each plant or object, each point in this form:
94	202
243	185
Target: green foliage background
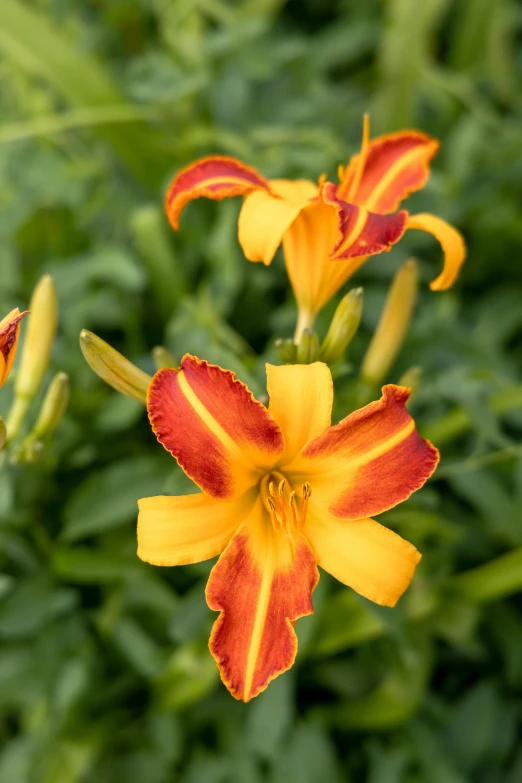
104	672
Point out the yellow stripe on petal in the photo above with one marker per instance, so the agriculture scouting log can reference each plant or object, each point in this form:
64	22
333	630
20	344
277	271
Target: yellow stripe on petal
361	553
301	398
187	529
452	243
261	585
210	422
215	177
369	462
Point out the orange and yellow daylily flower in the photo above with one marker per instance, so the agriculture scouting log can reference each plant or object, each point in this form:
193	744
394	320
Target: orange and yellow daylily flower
283	491
327	230
9	333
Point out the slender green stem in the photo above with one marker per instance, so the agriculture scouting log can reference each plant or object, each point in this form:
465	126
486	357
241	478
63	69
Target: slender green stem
305	320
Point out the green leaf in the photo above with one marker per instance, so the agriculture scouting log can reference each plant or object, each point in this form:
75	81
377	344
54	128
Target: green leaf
109	498
28	38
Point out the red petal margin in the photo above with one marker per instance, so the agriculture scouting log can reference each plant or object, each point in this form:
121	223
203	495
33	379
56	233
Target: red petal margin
362	233
211	423
215	177
261	590
397	164
373	459
8	341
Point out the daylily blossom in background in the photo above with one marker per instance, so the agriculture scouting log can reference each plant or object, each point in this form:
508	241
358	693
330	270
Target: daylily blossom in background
282	492
328	230
9	333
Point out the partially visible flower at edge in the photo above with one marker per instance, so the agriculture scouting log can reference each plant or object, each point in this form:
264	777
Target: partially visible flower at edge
9	334
282	492
327	230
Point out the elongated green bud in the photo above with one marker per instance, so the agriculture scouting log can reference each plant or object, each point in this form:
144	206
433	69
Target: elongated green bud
163	359
36	350
308	348
113	368
53	407
286	350
343	327
393	324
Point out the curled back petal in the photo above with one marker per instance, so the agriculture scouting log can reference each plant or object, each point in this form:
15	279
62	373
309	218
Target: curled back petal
215	177
360	232
9	334
188	529
210	422
363	554
452	244
395	165
261	585
301	399
369	462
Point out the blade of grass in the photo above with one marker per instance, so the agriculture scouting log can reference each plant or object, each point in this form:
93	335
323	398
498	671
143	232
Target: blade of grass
41	49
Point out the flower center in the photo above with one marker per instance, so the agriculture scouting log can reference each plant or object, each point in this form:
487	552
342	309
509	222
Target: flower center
287	510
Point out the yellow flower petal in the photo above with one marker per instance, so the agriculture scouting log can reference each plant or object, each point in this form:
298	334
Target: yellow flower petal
369	462
301	398
361	553
264	217
187	529
307	247
452	244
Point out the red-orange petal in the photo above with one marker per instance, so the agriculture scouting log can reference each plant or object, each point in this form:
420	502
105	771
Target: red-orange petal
262	585
369	462
9	333
362	233
396	165
215	177
210	422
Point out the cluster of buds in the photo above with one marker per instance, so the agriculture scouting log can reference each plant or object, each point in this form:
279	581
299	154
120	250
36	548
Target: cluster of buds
387	339
34	361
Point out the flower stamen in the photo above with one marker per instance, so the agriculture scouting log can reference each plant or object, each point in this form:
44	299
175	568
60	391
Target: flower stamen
288	515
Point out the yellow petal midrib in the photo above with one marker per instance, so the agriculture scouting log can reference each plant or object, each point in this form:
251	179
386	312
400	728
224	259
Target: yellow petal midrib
259	621
213	425
390	175
308	466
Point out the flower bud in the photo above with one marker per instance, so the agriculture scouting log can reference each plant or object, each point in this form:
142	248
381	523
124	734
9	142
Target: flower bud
391	329
39	338
113	368
163	359
36	351
343	326
53	407
286	350
308	348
